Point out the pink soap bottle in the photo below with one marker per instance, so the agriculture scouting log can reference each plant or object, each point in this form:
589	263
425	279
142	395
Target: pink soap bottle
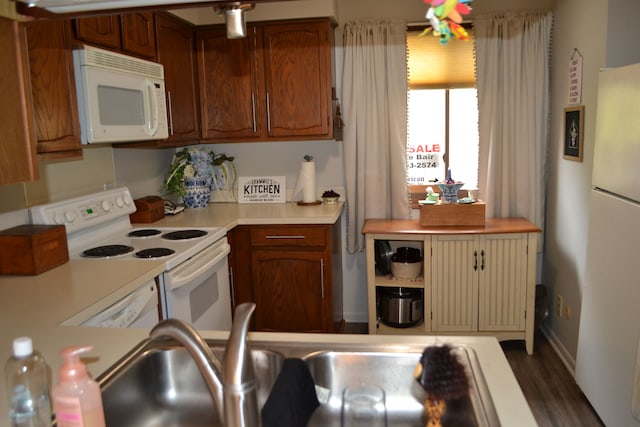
77	400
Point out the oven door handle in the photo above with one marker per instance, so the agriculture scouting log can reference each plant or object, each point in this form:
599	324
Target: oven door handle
196	267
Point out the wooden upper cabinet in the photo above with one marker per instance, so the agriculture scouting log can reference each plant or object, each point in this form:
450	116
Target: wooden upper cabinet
138	36
53	89
230	98
297	73
129	33
275	84
17	148
100	30
175	41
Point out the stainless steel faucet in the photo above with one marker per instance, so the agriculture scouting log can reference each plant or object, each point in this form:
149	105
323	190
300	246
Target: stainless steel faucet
232	382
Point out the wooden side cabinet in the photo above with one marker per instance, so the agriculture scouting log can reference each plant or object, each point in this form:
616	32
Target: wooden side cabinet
17	141
474	281
292	273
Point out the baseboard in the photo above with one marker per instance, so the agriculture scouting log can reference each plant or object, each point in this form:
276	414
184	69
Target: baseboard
560	350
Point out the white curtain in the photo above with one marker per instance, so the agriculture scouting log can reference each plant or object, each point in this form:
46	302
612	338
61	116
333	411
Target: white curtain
512	65
374	96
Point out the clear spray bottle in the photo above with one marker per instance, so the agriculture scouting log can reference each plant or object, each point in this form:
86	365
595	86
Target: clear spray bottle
27	380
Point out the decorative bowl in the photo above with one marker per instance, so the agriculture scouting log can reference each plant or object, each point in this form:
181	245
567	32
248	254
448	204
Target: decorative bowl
330	200
450	191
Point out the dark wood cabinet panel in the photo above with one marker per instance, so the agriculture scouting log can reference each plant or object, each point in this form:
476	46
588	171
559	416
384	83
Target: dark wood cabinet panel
289	290
275	84
138	35
175	43
130	33
297	73
17	148
99	30
230	97
292	272
53	89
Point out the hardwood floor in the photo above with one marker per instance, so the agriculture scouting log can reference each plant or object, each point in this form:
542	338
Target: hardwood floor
554	397
550	390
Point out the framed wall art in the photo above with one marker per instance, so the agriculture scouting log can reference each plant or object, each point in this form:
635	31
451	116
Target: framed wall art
573	133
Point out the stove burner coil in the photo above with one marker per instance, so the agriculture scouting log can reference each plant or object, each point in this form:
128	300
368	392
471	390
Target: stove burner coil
145	232
154	253
107	251
184	234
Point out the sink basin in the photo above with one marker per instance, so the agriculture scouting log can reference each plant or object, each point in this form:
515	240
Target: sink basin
162	386
393	371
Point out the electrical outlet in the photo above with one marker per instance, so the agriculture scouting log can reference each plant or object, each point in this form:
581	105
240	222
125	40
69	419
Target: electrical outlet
567	311
559	305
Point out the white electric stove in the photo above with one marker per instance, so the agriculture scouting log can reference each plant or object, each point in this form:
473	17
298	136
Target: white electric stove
195	285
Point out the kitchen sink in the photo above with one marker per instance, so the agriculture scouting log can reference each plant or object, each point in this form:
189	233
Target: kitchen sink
404	398
159	384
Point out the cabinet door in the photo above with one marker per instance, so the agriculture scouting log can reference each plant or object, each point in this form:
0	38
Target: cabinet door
99	30
289	290
297	67
17	148
455	268
502	282
138	36
53	89
229	89
176	54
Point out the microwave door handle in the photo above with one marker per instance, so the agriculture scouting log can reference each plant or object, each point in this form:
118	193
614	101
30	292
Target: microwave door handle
151	92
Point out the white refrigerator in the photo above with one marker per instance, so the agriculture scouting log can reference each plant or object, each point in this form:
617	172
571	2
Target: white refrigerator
607	362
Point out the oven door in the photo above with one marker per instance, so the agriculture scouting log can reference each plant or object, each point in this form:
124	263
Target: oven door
197	291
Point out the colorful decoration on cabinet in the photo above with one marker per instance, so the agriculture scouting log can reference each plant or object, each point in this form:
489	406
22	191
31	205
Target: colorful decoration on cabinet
445	17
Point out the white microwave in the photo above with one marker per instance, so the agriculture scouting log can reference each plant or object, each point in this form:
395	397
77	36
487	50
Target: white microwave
120	98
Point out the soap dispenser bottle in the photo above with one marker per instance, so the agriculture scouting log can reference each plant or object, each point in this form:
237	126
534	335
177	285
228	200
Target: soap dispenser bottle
77	399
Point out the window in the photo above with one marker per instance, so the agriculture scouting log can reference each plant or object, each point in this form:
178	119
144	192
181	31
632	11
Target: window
442	125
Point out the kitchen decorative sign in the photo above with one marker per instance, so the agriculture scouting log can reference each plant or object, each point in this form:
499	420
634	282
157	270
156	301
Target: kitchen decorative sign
262	189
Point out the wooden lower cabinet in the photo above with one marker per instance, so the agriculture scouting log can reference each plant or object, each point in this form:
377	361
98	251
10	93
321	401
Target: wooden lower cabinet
475	281
292	272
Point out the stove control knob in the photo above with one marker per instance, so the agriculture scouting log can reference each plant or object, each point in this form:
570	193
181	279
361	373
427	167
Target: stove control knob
127	199
106	206
119	202
69	216
58	219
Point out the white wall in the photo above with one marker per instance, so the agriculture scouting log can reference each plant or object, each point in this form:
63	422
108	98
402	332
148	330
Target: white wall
606	34
578	24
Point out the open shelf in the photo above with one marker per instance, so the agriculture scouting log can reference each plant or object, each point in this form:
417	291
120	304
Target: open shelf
394	282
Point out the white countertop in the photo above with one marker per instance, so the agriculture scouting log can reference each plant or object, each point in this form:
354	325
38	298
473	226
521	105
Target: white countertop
37	305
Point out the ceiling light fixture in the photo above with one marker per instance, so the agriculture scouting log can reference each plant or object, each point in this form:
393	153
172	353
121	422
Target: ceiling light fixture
234	18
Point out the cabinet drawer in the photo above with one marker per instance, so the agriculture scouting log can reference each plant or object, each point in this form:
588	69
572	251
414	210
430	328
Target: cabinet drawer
289	236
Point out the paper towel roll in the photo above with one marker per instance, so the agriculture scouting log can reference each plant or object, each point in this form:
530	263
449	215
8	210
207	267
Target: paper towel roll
306	182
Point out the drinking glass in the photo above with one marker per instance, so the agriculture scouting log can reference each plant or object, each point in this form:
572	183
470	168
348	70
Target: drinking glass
363	405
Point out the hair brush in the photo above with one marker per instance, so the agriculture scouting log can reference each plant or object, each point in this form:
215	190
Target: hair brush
443	377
